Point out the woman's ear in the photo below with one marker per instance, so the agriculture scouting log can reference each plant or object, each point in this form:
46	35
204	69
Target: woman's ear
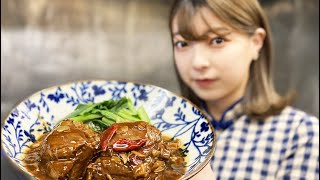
257	42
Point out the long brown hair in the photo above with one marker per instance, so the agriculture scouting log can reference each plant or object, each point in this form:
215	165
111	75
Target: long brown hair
261	99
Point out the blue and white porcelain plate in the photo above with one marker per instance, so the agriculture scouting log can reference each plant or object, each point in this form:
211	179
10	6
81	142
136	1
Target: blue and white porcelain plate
173	115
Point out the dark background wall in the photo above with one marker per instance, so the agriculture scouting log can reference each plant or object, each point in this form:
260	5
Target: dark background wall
295	26
46	43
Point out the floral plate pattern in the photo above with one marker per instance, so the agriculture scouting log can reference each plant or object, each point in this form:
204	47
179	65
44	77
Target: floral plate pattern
173	115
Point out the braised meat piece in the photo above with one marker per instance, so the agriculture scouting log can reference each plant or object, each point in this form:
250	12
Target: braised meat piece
135	131
111	168
66	151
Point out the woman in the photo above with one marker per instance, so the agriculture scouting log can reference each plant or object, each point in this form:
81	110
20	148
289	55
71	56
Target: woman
222	52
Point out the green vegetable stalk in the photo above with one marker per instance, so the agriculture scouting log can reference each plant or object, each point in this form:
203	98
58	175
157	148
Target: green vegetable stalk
101	115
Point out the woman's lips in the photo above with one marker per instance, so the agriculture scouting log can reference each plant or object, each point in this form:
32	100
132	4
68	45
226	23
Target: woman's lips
205	83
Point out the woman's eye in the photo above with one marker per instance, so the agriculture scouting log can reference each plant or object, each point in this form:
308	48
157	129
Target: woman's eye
181	44
217	41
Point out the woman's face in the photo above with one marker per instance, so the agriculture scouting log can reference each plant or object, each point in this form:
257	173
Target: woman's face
216	68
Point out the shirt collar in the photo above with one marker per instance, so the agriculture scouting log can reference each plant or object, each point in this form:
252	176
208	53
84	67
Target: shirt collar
231	114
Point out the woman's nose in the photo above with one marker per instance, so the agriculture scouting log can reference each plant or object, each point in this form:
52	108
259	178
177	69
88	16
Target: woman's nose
200	59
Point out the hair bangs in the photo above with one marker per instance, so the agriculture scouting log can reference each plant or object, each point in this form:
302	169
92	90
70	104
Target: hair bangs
185	19
185	22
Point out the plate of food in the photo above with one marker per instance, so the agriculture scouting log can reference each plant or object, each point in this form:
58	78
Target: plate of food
107	130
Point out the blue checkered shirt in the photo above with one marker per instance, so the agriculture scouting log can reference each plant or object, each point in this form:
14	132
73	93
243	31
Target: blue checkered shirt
285	146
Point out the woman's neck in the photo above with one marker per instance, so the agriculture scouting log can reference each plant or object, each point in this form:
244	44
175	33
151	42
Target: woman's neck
218	107
216	110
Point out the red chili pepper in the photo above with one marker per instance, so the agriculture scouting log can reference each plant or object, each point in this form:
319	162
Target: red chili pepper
106	137
123	145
